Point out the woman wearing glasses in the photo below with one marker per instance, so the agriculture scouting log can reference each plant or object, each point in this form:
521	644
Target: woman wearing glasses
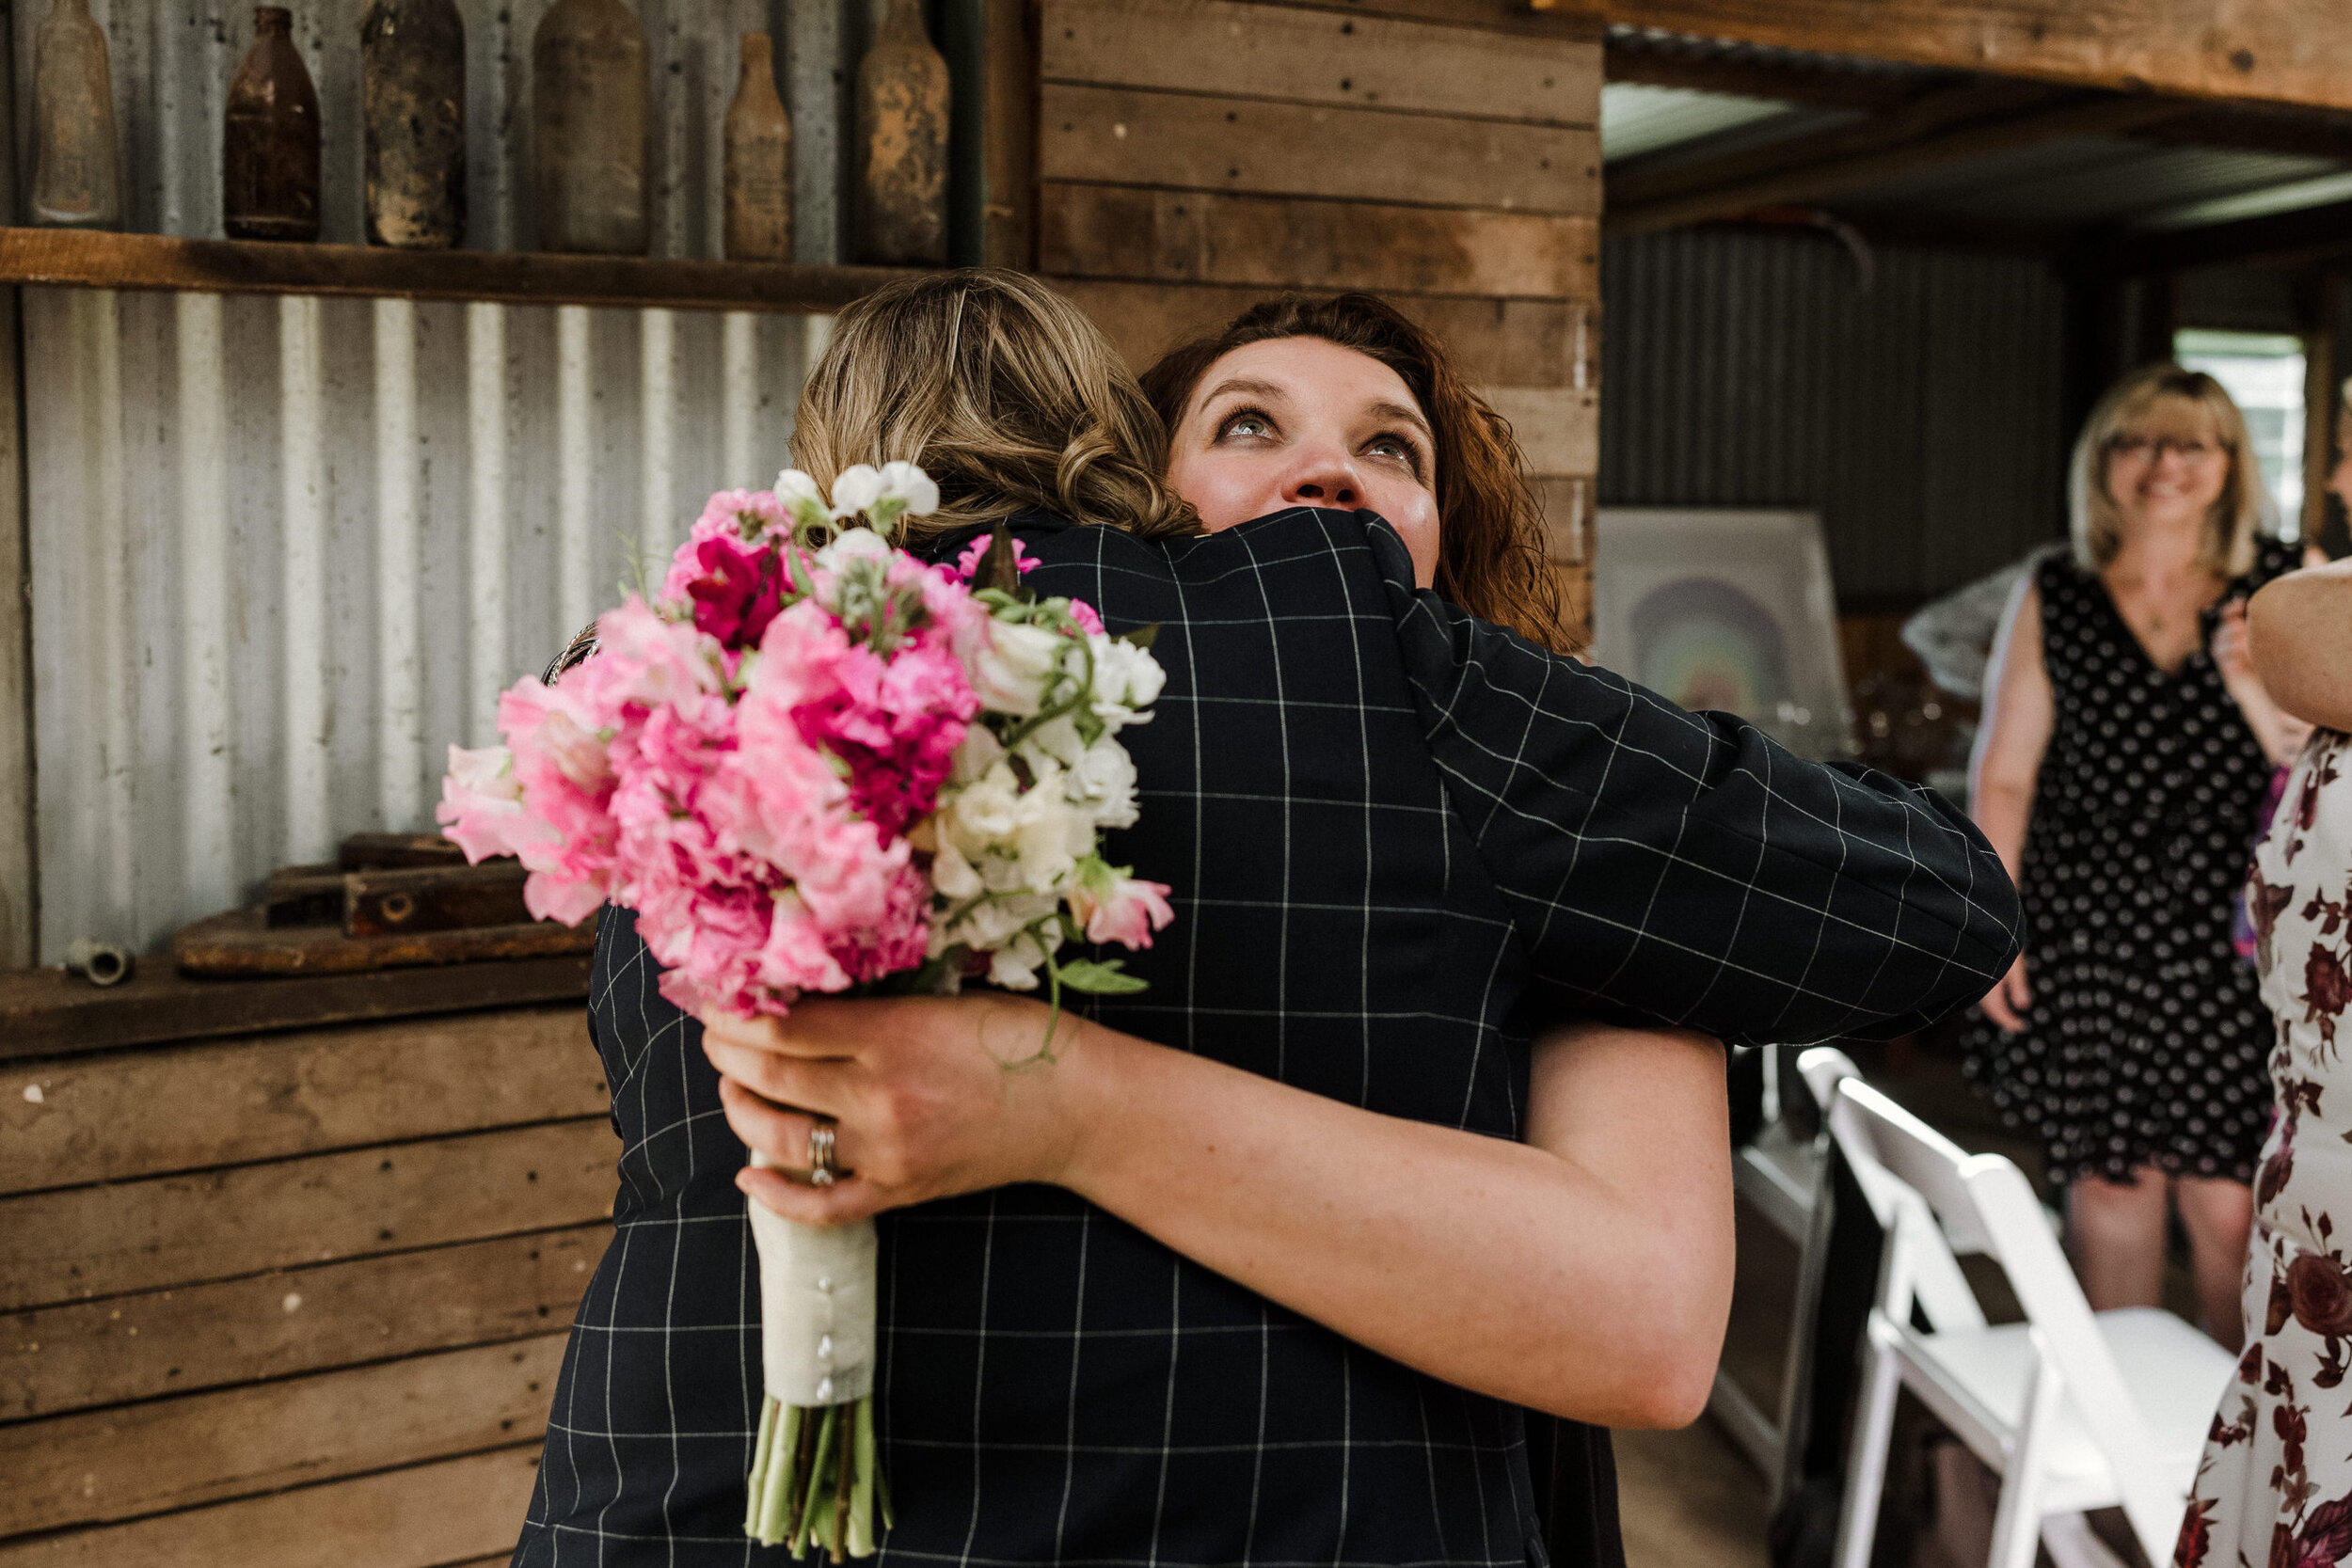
2127	750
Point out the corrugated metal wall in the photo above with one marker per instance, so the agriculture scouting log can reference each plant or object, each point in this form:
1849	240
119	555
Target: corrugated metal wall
1922	417
284	552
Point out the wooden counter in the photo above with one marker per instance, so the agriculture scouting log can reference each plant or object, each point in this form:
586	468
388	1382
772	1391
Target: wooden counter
286	1266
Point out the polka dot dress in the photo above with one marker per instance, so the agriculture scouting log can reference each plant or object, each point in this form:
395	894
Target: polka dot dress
2146	1043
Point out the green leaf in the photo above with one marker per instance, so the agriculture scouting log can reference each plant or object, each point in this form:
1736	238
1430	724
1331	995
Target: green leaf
1101	976
1142	637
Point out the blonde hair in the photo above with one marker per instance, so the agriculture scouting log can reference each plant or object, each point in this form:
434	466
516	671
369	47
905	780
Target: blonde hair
2228	546
1004	393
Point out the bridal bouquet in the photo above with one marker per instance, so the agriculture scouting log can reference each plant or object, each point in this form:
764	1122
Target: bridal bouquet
812	763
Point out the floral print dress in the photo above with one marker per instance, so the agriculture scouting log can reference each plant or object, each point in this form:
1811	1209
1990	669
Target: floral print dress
2274	1489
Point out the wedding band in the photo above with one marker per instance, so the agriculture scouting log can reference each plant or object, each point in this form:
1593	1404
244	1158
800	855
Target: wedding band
820	1171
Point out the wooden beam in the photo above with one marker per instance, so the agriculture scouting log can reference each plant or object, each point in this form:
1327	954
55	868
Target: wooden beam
280	1324
1812	183
1009	45
20	858
137	1114
174	1231
173	1454
91	259
46	1012
1191	142
1912	120
406	1519
1126	231
2306	235
2282	51
1318	56
1670	63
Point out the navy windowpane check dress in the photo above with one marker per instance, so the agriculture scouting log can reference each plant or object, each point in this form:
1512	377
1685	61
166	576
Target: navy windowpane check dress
1400	840
2147	1040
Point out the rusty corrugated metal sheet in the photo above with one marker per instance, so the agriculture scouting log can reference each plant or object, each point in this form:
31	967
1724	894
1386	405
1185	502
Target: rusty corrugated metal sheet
284	552
1921	417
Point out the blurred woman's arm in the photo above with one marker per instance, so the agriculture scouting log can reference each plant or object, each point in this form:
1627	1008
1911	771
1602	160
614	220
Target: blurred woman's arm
2007	762
2300	631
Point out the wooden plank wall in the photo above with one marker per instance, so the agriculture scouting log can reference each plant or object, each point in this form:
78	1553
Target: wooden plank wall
1193	156
293	1298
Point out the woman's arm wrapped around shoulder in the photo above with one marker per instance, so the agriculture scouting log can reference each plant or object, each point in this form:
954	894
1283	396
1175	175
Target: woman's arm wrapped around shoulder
1682	867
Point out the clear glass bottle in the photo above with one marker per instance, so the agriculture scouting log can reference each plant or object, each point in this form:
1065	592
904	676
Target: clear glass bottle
412	100
77	178
902	145
270	147
588	113
758	160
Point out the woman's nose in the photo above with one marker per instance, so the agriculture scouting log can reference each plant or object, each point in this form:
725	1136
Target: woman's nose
1325	479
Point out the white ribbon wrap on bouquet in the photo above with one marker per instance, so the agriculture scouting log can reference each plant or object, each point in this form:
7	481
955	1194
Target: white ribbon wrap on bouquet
817	1301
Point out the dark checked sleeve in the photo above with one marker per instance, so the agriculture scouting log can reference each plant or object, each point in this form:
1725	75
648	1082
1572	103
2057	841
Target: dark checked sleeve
1677	866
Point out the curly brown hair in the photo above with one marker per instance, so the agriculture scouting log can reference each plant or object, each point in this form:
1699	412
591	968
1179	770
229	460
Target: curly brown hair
1492	554
1005	394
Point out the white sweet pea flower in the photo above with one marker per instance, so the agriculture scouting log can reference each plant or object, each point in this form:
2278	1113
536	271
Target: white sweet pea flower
995	922
975	755
906	483
1011	665
985	812
856	489
1014	966
1057	738
1126	678
802	497
856	543
953	875
1103	781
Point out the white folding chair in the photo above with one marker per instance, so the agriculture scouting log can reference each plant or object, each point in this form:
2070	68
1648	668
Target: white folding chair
2073	1410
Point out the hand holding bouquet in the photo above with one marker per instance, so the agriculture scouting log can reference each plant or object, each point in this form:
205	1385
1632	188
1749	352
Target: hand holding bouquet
815	763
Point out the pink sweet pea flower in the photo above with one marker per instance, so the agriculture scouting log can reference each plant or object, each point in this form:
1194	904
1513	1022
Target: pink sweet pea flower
968	563
1115	907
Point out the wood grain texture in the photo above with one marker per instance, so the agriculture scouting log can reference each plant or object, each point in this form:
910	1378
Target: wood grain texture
1319	56
83	1354
112	1118
1558	428
174	1231
1197	237
1119	136
207	1447
409	1518
1511	342
46	1012
242	943
1567	503
2288	51
91	259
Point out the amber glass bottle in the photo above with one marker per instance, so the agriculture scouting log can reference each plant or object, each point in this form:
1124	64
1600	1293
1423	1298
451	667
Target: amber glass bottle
76	179
588	100
760	161
412	98
270	152
902	145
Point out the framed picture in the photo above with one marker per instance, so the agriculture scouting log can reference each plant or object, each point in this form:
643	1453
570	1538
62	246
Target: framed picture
1726	609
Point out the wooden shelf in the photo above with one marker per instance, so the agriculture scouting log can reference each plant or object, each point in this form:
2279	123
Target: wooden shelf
81	257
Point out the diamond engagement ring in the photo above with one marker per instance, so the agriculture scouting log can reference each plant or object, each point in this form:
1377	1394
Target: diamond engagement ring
820	1171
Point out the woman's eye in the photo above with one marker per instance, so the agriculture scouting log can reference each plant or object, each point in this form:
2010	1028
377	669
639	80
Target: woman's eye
1396	447
1250	425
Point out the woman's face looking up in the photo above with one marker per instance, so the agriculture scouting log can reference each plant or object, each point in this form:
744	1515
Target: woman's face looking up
1301	422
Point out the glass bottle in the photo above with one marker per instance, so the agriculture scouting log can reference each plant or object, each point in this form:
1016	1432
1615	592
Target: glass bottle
760	161
902	145
589	102
77	181
270	150
412	98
